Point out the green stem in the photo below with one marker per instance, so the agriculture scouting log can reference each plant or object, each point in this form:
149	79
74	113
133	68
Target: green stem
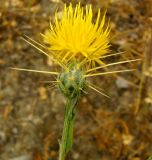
67	135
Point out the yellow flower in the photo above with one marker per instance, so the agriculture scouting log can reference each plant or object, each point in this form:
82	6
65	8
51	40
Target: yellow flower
77	39
75	35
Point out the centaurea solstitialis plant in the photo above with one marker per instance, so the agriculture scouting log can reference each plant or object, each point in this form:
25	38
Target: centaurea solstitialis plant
76	44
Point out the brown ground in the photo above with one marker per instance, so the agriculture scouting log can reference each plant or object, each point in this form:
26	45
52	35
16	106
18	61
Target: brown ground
31	113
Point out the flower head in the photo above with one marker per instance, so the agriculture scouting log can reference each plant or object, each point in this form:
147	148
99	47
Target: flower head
75	35
74	40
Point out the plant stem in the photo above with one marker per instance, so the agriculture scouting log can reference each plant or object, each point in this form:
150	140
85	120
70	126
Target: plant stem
67	134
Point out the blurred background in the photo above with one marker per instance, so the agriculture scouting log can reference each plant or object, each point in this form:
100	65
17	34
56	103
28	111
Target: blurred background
31	112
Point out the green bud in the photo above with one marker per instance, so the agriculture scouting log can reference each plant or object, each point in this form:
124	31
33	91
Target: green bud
71	82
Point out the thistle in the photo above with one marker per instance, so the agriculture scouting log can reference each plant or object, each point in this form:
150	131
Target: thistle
76	44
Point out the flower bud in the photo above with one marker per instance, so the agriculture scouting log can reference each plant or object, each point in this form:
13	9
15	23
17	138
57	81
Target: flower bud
71	82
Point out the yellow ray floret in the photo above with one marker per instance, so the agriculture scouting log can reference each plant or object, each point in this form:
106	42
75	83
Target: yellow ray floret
75	35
